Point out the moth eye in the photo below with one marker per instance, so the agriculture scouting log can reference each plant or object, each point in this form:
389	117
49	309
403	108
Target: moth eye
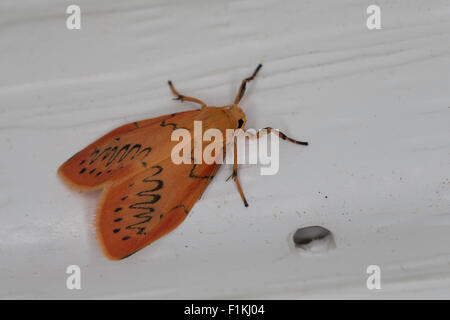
240	123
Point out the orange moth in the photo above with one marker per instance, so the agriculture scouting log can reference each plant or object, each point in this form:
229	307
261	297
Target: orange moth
145	195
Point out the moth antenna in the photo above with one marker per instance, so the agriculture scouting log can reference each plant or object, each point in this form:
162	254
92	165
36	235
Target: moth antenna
244	84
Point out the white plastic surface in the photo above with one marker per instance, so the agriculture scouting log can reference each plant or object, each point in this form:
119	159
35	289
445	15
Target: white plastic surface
374	105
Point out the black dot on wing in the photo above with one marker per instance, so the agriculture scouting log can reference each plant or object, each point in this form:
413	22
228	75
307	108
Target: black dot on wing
118	220
99	173
131	184
117	209
116	230
82	162
82	170
126	238
109	171
92	171
124	198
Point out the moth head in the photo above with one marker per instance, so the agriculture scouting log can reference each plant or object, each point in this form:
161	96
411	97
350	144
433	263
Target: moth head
238	115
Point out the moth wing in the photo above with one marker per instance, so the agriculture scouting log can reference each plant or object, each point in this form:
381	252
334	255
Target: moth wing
121	152
136	211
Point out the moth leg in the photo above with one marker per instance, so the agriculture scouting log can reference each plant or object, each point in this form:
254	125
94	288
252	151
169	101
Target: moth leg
280	134
244	84
235	176
184	98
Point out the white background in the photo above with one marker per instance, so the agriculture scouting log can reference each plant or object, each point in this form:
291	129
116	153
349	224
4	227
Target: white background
375	106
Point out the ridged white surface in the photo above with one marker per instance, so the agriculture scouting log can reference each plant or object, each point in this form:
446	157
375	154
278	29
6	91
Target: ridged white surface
375	106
